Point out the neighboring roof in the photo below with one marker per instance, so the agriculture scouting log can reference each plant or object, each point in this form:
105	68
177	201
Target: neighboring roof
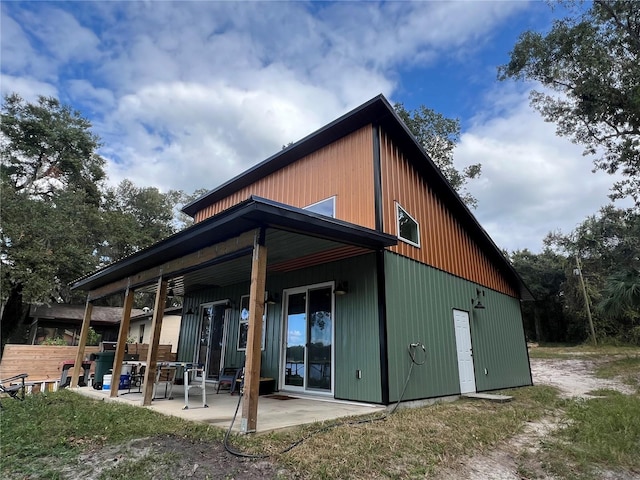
59	311
252	213
377	111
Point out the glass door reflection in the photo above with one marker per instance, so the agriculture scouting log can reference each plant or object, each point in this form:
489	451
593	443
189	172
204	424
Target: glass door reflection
308	349
320	338
295	341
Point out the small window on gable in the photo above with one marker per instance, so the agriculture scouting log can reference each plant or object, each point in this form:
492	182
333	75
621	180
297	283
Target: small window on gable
408	228
325	207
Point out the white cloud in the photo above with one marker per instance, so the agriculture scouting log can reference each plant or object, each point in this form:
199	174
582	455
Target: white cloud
194	134
533	181
60	34
28	88
99	98
208	90
19	57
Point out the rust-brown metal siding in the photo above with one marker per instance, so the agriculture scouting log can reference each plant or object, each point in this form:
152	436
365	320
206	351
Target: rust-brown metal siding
444	244
343	168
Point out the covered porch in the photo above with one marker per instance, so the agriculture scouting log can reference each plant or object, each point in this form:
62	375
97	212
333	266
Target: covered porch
275	412
226	250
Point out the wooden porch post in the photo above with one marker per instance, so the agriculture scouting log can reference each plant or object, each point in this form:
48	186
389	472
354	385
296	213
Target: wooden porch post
254	335
122	342
84	333
152	355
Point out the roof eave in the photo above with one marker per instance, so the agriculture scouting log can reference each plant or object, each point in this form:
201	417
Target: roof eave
255	212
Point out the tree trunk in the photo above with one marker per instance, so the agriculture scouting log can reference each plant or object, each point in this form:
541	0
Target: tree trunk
537	323
14	313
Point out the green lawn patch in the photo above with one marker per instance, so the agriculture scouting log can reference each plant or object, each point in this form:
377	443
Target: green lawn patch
46	431
627	369
599	433
585	351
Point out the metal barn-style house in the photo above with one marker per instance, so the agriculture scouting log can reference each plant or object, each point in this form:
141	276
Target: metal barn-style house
326	267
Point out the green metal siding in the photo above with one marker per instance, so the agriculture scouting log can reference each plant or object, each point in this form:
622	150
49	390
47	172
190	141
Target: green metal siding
356	324
420	303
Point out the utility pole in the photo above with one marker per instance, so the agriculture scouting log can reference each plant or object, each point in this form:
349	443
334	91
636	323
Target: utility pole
578	271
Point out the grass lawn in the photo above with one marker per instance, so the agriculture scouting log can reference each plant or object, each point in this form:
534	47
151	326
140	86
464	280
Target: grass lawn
584	351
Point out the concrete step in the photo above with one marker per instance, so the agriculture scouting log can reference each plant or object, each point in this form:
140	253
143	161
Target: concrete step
489	396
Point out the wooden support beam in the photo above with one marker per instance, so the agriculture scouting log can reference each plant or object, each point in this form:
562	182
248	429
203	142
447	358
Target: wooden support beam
254	335
174	267
122	342
82	342
152	355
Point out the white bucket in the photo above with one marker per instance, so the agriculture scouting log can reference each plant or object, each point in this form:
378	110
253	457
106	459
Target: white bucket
106	382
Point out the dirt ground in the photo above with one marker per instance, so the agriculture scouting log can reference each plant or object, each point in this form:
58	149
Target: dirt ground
197	461
573	377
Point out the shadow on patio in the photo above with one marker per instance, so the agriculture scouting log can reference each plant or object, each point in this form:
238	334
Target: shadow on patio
275	411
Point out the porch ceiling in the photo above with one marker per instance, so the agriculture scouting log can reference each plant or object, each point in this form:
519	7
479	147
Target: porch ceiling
291	233
285	251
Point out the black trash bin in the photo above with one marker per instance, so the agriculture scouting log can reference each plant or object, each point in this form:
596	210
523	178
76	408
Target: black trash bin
65	377
104	363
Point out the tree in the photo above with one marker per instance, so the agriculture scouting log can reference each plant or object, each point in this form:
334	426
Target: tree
622	294
58	221
438	136
544	274
47	147
135	218
50	193
608	248
591	63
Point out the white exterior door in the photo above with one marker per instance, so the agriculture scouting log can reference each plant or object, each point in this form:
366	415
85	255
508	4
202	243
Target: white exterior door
465	352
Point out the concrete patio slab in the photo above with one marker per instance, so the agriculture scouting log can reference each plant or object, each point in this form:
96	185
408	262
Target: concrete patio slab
277	411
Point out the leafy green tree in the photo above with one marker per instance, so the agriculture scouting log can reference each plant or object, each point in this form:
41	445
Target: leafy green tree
622	294
47	147
608	246
545	274
135	218
50	193
182	220
589	64
438	135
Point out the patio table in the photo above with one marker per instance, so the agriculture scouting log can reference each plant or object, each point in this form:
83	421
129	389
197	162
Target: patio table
189	369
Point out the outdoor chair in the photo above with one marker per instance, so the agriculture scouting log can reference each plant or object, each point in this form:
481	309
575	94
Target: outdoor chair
137	377
165	376
14	386
229	376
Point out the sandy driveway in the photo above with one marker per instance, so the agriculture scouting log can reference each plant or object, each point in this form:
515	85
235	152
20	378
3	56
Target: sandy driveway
573	377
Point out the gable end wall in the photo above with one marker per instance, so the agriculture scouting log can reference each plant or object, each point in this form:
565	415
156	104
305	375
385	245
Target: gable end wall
445	245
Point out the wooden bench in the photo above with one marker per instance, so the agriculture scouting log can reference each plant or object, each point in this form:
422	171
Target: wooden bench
267	385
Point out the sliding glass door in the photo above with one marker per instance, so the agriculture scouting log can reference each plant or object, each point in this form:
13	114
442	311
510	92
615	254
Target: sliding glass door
308	343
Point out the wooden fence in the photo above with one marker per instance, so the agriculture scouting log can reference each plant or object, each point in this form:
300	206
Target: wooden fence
44	362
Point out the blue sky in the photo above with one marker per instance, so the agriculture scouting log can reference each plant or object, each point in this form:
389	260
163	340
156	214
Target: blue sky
187	95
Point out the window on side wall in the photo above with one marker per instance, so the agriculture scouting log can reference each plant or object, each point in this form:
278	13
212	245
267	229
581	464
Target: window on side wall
243	323
326	207
408	228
